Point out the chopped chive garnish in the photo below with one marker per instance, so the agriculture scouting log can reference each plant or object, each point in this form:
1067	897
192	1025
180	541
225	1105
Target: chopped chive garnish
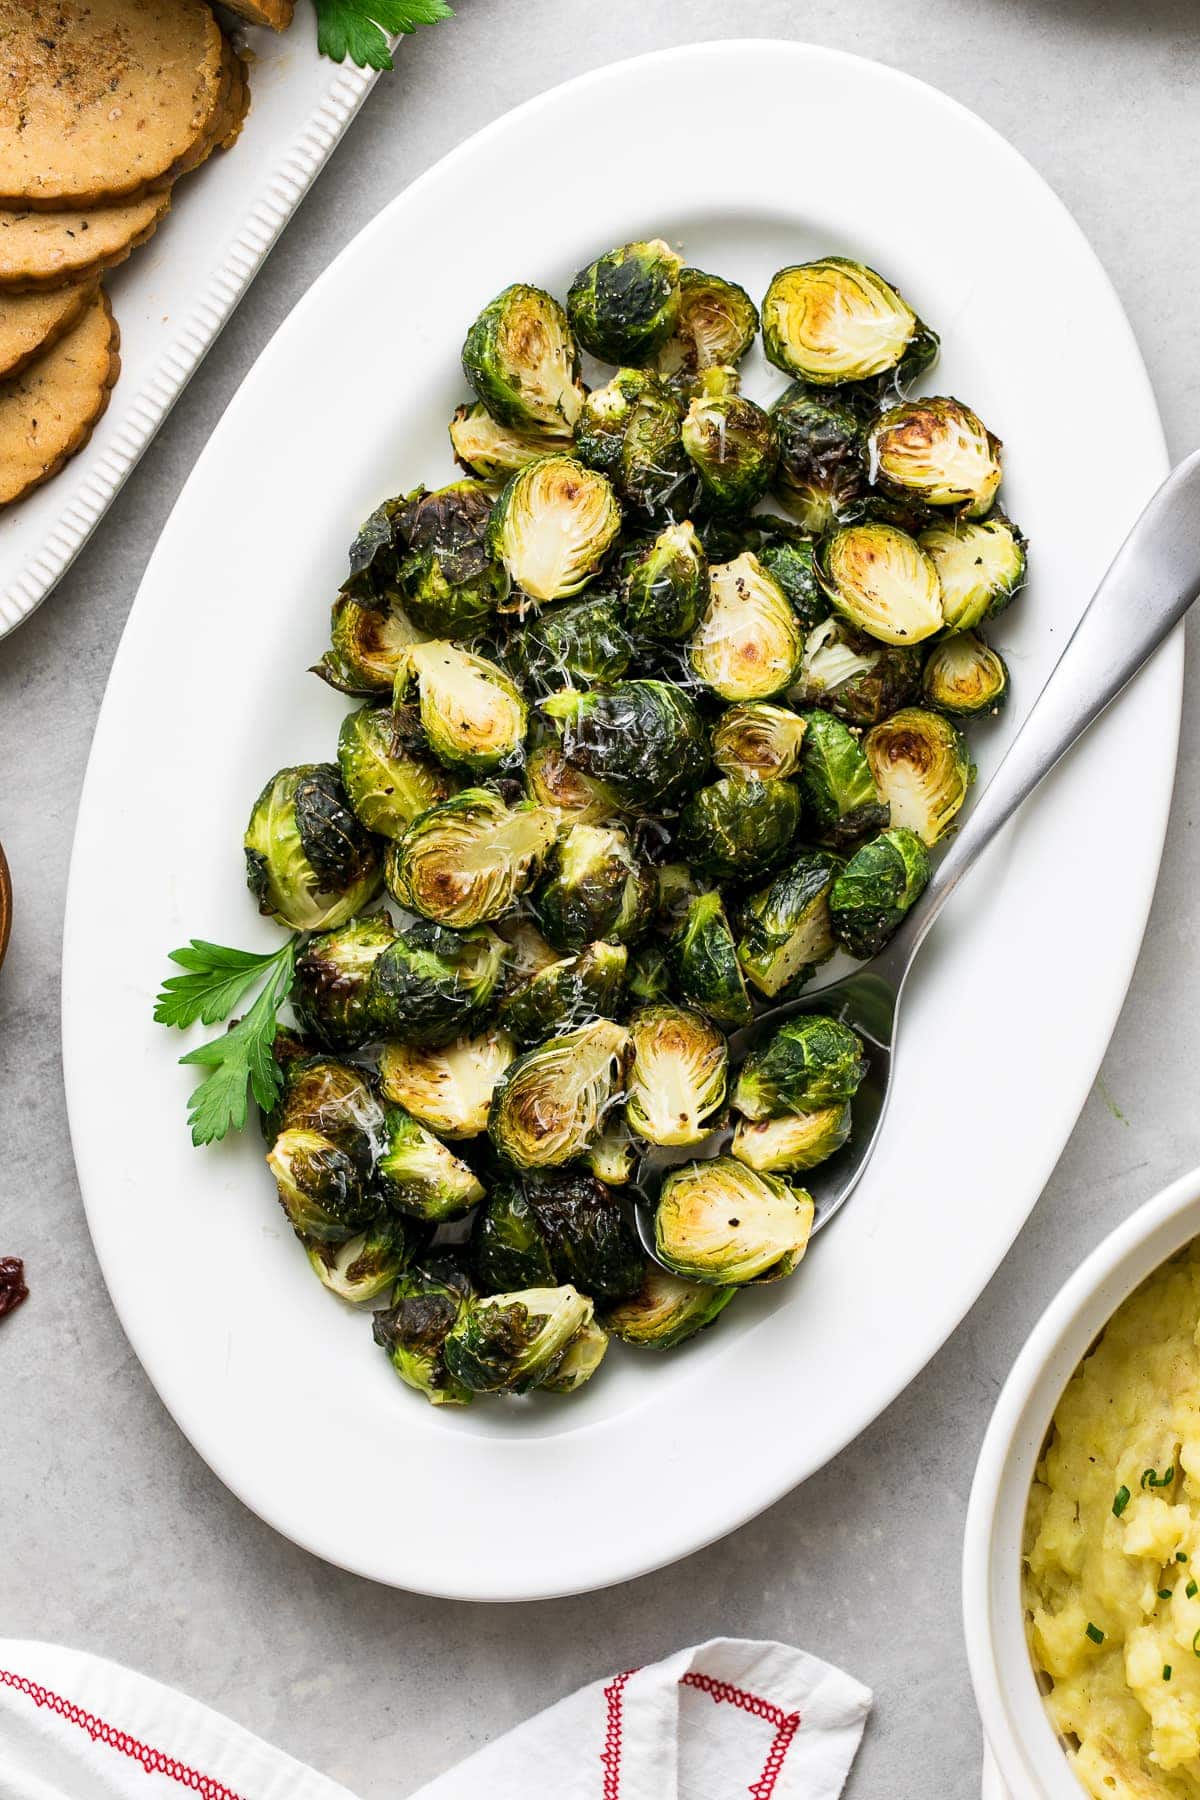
1152	1478
1165	1593
1191	1590
1181	1556
1166	1671
1120	1501
1196	1644
1097	1636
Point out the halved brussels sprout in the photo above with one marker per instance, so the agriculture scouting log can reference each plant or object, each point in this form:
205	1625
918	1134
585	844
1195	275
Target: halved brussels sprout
432	984
704	960
644	739
791	563
731	444
834	320
722	1223
810	1062
468	859
593	888
717	323
786	931
758	741
523	362
367	647
552	1101
585	640
739	827
472	715
625	305
579	1361
309	862
322	1184
612	1157
650	978
324	1095
677	1076
566	993
837	784
417	1174
980	565
542	1230
365	1266
426	1304
372	579
528	951
490	451
678	886
514	1342
876	888
963	676
853	676
387	785
449	1089
882	581
822	468
666	588
553	526
450	580
666	1310
936	451
332	979
748	643
922	769
553	781
794	1142
630	431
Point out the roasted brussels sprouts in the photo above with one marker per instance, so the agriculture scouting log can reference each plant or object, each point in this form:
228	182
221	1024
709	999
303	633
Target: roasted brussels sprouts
748	643
551	1102
853	676
791	564
322	1185
450	580
677	1076
472	714
922	769
630	431
739	826
980	564
810	1062
650	978
704	960
731	444
882	581
579	1361
426	1303
938	452
417	1174
876	888
837	784
372	578
963	676
309	862
786	931
332	980
795	1141
593	888
468	859
365	1266
585	640
625	305
834	321
722	1223
490	451
387	785
523	362
543	1230
514	1342
528	951
566	993
667	587
678	886
322	1094
432	984
717	323
666	1310
367	647
553	781
758	741
821	471
449	1089
553	526
612	1157
644	739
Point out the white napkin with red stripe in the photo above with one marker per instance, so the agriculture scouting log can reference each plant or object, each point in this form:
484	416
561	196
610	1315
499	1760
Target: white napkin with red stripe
726	1718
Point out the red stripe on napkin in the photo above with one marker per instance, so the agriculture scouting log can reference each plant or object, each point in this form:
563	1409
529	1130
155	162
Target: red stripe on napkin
786	1726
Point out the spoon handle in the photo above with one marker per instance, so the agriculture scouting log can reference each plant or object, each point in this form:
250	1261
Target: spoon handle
1152	581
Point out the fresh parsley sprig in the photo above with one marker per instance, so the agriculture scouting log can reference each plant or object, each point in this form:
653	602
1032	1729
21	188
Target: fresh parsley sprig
359	29
243	1057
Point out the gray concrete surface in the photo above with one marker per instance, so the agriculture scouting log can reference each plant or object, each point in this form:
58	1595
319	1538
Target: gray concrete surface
113	1534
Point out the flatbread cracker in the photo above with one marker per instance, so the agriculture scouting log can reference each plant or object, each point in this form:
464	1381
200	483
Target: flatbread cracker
277	14
48	411
30	323
41	250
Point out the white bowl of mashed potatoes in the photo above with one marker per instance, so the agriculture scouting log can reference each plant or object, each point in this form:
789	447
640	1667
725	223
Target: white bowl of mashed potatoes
1081	1567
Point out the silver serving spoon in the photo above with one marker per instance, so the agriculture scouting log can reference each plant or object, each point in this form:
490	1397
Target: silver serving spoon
1153	579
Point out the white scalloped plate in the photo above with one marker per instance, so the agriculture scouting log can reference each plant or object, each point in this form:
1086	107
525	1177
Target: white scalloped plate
175	293
280	1387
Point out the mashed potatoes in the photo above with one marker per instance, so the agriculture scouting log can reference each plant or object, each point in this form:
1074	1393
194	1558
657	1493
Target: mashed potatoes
1112	1581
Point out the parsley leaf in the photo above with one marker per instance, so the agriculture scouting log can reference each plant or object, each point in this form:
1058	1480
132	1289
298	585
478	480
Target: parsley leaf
243	1057
357	28
216	980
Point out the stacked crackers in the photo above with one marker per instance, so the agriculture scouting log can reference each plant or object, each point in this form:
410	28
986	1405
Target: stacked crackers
104	104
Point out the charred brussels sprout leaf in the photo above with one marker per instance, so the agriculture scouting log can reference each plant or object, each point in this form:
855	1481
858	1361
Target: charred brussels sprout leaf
758	741
625	305
716	325
810	1062
936	451
822	470
794	1142
922	770
490	451
650	979
964	676
791	564
980	565
472	715
309	862
853	676
644	739
566	993
593	888
731	444
417	1174
523	362
667	587
666	1310
630	431
579	1361
837	784
834	321
739	827
748	643
365	1266
551	1102
705	964
544	1230
449	578
467	860
553	781
553	526
583	641
513	1342
332	979
367	647
721	1223
786	930
387	785
677	1076
372	578
449	1089
433	984
882	581
876	888
425	1306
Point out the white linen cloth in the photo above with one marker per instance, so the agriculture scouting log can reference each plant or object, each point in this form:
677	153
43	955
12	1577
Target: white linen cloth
726	1719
